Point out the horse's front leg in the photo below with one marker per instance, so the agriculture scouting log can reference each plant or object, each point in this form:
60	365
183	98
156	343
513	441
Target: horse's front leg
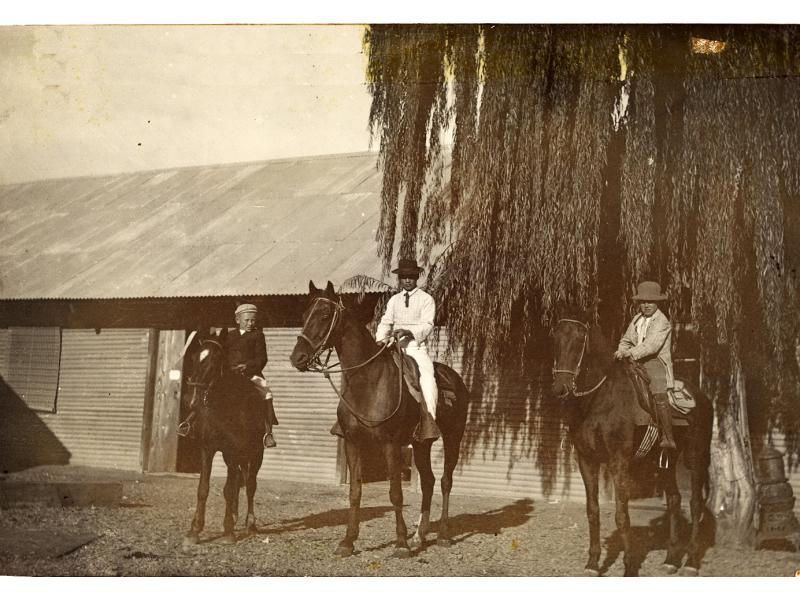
590	473
231	493
422	459
252	482
394	466
674	555
622	492
199	520
353	453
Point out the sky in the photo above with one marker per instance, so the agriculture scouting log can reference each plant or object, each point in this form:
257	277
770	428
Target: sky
90	100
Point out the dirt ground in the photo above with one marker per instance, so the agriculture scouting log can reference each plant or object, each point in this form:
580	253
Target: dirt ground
299	526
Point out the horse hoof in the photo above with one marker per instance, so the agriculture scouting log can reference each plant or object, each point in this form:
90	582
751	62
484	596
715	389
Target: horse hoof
344	551
444	542
689	572
591	573
228	539
415	543
401	553
669	569
190	540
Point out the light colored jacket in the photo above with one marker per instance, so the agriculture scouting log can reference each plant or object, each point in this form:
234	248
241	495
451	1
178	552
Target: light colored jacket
657	342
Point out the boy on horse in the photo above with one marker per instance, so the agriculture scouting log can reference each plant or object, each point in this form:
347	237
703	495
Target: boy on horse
246	353
247	356
409	319
648	340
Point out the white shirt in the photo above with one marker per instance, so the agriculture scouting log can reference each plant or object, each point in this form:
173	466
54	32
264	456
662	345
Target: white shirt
641	328
417	317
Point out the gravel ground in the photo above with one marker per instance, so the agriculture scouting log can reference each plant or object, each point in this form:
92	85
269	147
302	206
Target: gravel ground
301	524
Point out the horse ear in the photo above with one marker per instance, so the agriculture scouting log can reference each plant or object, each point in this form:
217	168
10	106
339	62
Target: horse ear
312	289
329	289
223	335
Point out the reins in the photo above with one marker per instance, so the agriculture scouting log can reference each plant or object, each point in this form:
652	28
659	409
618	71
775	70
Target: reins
318	366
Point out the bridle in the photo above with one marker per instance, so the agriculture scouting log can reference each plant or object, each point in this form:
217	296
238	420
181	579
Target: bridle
576	371
205	386
319	366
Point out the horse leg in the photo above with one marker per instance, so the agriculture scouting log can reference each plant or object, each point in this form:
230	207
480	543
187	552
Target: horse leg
621	476
252	482
422	460
451	452
353	454
674	555
231	493
698	483
199	520
394	466
590	473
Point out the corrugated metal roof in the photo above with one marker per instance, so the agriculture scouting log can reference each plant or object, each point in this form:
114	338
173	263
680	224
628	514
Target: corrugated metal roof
253	228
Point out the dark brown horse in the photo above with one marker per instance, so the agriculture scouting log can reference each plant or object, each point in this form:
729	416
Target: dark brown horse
603	430
230	420
376	410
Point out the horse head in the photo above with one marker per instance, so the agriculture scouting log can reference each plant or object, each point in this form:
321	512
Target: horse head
320	321
570	342
208	364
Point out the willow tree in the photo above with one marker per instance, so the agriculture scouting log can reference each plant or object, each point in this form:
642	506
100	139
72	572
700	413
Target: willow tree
563	164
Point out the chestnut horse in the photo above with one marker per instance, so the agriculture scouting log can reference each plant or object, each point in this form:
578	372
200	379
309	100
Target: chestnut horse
376	409
603	430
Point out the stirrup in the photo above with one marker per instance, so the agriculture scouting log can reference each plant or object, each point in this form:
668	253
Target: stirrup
663	459
184	428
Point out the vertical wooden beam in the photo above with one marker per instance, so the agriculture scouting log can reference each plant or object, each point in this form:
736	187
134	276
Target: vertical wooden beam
149	397
167	397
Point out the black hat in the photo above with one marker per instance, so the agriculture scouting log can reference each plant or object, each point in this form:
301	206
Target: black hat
406	267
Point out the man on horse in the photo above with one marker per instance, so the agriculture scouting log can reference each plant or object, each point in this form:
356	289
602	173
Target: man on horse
409	318
648	340
246	353
247	356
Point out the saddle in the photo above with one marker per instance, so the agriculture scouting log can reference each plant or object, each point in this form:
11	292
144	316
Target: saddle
680	400
447	393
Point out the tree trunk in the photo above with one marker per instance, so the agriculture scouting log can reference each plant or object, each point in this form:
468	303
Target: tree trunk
732	499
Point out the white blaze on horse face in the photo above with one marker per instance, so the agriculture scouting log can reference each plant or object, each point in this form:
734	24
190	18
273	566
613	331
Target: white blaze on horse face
204	354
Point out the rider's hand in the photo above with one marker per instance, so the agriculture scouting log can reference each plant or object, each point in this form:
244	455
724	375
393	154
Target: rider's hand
240	368
620	354
402	333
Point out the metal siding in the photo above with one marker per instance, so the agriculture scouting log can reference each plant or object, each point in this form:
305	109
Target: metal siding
305	405
5	343
33	365
101	396
510	434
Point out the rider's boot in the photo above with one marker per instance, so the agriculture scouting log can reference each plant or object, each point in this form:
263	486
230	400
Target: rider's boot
664	421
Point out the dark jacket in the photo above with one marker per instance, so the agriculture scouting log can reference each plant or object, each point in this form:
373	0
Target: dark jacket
249	349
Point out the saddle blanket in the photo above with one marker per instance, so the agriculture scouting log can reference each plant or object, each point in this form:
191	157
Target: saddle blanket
411	377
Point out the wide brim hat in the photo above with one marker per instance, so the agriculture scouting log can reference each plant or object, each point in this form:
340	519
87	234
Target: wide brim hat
649	291
406	266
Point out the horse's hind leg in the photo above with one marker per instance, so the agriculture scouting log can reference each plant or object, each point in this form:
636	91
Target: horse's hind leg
674	555
590	473
422	460
199	520
231	493
345	547
452	445
394	465
252	482
697	502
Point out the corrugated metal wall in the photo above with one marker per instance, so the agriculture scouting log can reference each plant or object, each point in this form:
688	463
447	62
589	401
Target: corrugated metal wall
5	342
306	408
507	449
101	396
33	366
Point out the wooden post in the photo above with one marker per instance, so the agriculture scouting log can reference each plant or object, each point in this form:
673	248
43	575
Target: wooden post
163	453
149	397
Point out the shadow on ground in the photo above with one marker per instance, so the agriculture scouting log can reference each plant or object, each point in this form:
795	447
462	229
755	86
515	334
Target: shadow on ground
644	540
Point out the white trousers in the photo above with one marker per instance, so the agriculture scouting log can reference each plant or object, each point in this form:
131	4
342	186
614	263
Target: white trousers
427	378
